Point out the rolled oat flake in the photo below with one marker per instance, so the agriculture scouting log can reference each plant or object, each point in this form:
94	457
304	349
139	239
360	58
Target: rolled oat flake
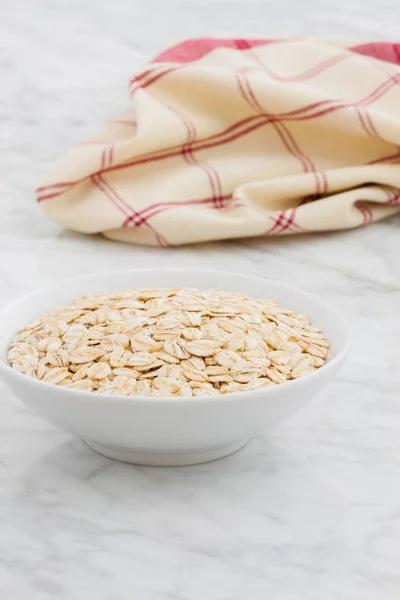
168	342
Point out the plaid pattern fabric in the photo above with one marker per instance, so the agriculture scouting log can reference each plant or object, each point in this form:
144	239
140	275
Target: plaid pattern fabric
236	138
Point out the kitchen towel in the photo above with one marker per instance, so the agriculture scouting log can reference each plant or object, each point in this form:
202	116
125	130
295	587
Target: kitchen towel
232	138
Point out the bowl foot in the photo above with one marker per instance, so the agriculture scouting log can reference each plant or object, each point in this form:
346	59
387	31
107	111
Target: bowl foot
165	458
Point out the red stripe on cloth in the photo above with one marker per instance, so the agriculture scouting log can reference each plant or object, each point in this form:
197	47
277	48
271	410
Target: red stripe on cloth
290	141
396	52
61	184
149	72
228	203
317	185
51	195
248	95
306	161
370	214
380	90
194	49
154	156
360	208
389	157
211	172
321	187
325	182
137	84
311	72
283	132
98	182
122	205
388	52
393	197
107	157
141	217
254	122
365	211
278	222
365	123
188	153
314	110
370	123
103	159
283	223
191	50
361	119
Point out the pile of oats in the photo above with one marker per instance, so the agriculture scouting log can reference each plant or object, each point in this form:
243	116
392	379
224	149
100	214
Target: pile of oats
168	342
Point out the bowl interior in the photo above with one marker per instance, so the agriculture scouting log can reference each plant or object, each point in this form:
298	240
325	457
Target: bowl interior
26	309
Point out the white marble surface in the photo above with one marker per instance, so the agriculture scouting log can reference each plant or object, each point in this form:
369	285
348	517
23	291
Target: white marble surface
309	513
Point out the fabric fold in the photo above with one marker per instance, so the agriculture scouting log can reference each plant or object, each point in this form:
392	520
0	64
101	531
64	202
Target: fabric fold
240	138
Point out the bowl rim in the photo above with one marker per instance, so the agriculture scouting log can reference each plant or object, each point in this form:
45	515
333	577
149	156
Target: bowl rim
333	362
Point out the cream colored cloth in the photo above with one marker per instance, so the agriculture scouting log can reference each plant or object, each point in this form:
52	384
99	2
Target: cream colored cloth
238	138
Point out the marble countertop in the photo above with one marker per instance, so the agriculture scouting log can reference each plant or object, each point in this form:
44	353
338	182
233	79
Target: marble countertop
310	512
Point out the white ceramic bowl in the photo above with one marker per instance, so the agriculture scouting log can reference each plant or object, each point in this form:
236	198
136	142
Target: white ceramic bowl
170	431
